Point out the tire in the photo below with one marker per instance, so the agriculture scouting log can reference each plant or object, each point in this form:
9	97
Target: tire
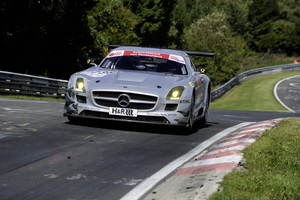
72	120
191	127
203	121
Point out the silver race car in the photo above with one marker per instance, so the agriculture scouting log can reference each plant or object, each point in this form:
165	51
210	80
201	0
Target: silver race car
147	85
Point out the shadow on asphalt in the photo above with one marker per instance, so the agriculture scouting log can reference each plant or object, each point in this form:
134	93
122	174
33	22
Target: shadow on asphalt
137	127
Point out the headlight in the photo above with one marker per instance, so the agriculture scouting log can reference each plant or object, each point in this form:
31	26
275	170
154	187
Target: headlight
175	93
80	85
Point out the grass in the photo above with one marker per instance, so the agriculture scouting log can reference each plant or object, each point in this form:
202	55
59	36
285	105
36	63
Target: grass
255	94
273	167
30	98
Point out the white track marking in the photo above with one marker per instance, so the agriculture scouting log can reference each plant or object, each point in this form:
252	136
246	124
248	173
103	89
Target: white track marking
275	92
145	186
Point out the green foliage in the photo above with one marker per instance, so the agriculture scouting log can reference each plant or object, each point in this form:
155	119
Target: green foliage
289	37
213	33
57	36
286	36
237	12
153	20
261	16
274	29
43	35
110	22
257	61
185	13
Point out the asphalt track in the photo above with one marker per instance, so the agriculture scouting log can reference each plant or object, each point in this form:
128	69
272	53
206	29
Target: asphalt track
43	156
287	92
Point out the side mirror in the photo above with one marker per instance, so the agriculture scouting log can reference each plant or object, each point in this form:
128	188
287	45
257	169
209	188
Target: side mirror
201	70
92	61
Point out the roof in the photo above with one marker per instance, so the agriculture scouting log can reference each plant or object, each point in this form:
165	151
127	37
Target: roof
163	50
149	49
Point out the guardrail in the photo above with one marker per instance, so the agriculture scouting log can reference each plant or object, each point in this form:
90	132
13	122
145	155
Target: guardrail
23	84
217	93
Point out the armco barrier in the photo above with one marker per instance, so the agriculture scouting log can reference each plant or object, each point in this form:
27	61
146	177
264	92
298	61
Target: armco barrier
22	84
217	93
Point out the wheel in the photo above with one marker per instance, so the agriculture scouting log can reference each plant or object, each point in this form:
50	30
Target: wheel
191	116
203	121
72	120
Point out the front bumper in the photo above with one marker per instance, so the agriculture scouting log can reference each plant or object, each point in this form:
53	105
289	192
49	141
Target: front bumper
165	113
163	118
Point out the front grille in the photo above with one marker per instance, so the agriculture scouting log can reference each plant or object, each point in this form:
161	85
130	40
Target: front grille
154	119
137	101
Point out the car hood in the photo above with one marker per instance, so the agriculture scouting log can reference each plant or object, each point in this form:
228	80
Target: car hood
141	79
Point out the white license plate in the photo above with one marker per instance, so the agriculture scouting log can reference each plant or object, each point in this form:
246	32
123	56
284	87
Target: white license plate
123	112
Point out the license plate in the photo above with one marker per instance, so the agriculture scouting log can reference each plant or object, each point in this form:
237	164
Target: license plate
123	112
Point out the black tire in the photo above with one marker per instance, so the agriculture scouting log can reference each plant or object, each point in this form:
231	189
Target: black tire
203	121
72	120
191	127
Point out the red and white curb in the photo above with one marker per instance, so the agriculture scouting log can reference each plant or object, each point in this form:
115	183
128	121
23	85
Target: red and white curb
220	155
227	153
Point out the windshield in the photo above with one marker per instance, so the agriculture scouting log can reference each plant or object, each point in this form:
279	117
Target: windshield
144	63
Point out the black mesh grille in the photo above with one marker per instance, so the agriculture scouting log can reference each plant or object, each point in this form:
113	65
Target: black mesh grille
133	96
171	107
81	99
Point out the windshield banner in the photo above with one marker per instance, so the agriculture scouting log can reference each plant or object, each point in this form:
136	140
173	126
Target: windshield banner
175	58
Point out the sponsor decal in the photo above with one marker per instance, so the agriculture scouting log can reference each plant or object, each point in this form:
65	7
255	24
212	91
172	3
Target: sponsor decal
203	71
89	73
198	80
185	101
89	108
176	58
116	53
145	53
98	74
155	114
123	112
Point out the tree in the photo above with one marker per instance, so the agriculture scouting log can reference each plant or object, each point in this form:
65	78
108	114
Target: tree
110	22
237	13
213	33
185	13
287	28
44	36
153	20
262	15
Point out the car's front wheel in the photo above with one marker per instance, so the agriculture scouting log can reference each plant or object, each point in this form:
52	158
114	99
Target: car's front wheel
203	121
191	128
73	120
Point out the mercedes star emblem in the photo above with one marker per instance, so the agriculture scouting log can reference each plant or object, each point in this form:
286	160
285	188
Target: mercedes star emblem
124	100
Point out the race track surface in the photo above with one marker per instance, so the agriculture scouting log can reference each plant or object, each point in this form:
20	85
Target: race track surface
43	156
287	92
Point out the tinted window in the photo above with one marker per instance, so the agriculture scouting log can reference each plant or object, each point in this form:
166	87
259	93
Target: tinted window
145	64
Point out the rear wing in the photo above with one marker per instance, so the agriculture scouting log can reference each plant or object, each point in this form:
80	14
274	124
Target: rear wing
189	52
